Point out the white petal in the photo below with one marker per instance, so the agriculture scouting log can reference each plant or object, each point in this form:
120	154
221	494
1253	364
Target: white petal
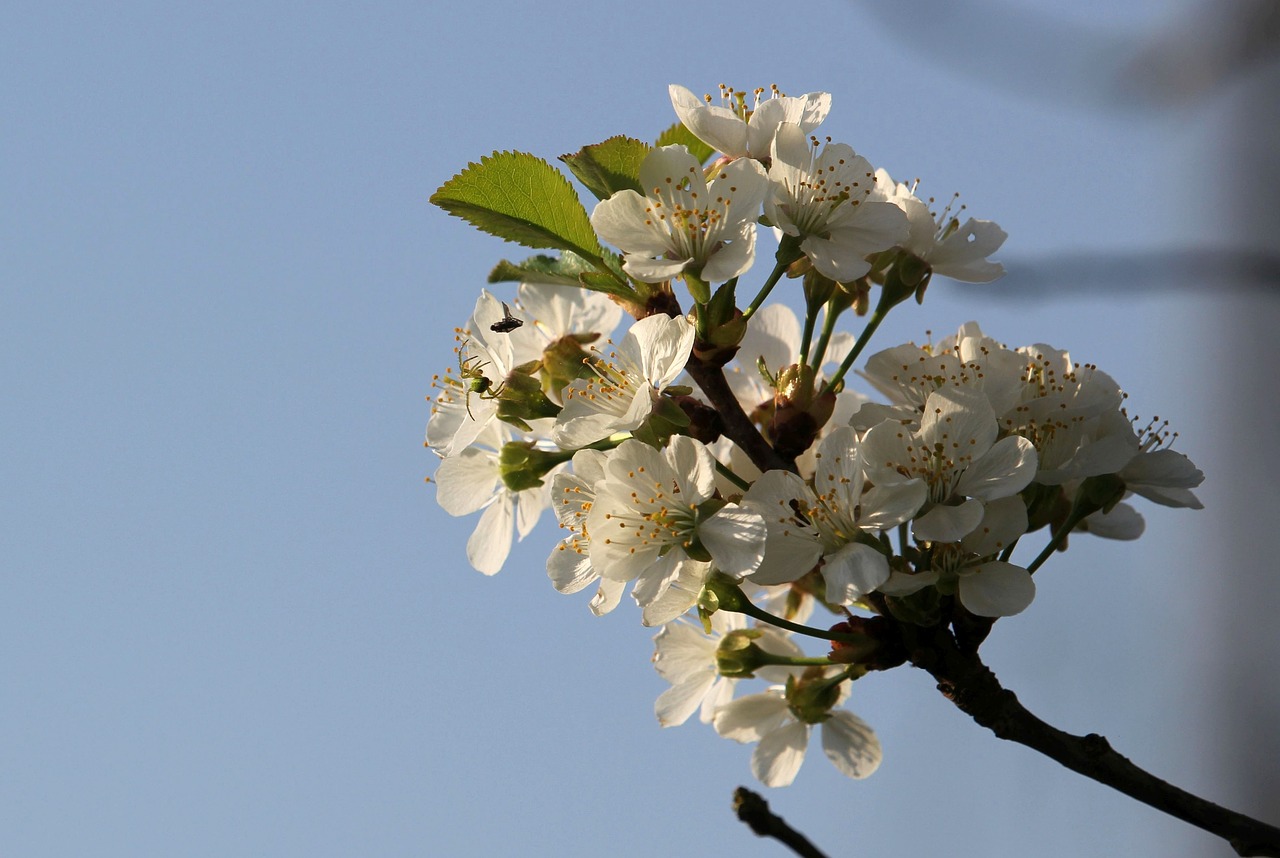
718	127
682	651
467	481
490	543
733	259
1003	521
948	523
904	584
808	111
885	507
1123	522
663	347
1167	468
735	538
962	255
1006	469
956	416
607	597
672	603
648	270
854	571
621	221
792	548
778	757
997	589
674	706
656	577
694	468
668	167
850	744
568	570
749	718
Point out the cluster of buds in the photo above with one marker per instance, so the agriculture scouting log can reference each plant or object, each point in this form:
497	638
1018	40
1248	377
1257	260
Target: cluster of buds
713	458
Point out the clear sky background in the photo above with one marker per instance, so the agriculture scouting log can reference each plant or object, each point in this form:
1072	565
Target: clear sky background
233	620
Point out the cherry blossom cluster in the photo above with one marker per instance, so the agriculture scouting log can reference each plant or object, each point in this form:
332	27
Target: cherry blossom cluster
715	460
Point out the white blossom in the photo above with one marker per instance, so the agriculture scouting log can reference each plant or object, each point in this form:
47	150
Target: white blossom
951	248
621	394
645	518
683	223
472	481
956	455
825	198
739	130
768	719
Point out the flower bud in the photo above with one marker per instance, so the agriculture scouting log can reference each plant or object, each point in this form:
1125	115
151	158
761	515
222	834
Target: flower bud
523	465
520	399
738	656
878	645
721	593
908	275
799	414
705	423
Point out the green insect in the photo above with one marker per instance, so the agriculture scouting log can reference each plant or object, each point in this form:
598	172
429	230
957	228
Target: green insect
473	379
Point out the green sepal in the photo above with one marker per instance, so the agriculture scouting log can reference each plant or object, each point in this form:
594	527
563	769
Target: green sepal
811	697
608	167
738	656
522	465
521	398
666	419
720	592
678	134
521	198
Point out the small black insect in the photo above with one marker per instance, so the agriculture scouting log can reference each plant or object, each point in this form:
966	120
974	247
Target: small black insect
507	323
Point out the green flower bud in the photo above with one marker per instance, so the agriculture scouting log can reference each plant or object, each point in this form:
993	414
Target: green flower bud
520	399
523	466
908	275
738	656
722	592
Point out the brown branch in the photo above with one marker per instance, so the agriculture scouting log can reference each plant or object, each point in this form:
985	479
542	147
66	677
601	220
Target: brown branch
709	375
737	425
973	688
754	811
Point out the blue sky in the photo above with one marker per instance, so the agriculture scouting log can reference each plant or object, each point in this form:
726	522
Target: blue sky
234	621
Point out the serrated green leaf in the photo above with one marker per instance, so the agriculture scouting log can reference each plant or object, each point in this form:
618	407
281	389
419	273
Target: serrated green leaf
608	167
520	197
567	270
556	270
678	134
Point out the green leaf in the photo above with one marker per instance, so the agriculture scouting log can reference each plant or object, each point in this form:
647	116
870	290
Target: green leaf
567	270
679	134
608	167
520	197
556	270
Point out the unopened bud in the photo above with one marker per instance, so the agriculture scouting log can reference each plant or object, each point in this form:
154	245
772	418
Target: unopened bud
520	399
876	643
738	656
799	412
522	465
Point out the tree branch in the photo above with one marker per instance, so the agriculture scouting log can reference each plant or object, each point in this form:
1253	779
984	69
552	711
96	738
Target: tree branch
973	688
754	811
737	425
